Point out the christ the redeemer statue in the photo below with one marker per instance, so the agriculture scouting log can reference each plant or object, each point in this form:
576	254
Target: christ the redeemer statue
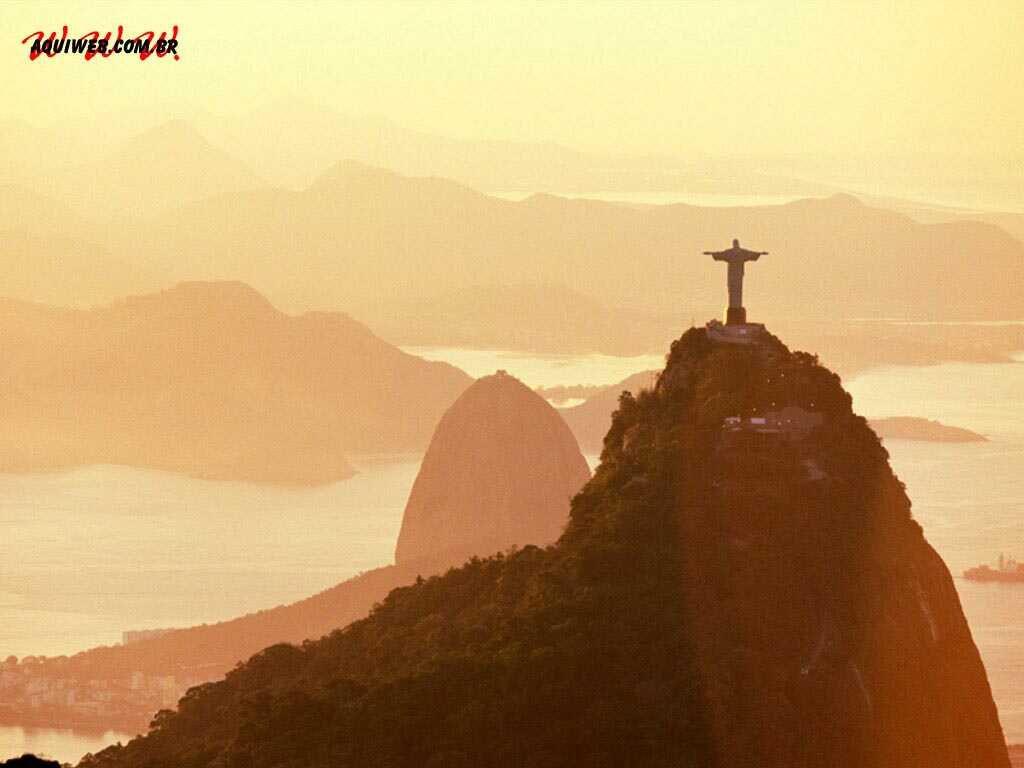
736	257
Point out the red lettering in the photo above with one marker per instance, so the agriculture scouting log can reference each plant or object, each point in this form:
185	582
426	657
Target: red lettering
53	47
33	54
95	36
162	51
110	48
90	51
145	54
95	44
52	40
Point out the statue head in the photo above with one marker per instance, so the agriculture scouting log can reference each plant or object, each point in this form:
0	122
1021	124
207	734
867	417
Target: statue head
735	243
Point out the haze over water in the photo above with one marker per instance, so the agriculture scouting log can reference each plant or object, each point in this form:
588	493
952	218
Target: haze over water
90	553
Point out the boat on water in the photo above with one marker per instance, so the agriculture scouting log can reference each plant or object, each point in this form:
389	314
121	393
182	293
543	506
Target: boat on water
1007	569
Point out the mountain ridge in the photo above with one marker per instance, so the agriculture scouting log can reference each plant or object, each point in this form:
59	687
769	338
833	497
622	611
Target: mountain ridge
330	244
409	236
210	379
723	595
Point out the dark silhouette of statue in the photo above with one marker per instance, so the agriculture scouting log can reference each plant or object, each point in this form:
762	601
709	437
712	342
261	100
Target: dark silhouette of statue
736	257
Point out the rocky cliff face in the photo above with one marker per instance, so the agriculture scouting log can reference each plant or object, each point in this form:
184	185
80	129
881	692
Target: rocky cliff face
500	471
828	631
741	583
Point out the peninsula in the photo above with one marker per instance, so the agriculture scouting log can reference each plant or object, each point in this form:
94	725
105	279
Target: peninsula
927	430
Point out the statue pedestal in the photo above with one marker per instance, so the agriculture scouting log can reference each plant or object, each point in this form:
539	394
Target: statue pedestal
735	316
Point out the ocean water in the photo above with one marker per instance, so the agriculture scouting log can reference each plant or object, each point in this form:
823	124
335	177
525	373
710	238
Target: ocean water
196	551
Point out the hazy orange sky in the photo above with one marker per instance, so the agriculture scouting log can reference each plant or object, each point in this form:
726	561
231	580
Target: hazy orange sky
722	77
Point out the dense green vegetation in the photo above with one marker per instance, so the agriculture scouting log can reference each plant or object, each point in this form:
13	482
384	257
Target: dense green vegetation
576	653
667	627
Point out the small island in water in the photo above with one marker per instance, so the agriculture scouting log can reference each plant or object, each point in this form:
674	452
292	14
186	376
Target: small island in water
915	428
1007	569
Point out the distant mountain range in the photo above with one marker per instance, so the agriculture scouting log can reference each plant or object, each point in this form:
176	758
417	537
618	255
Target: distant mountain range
291	143
530	317
426	259
362	234
162	168
211	380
